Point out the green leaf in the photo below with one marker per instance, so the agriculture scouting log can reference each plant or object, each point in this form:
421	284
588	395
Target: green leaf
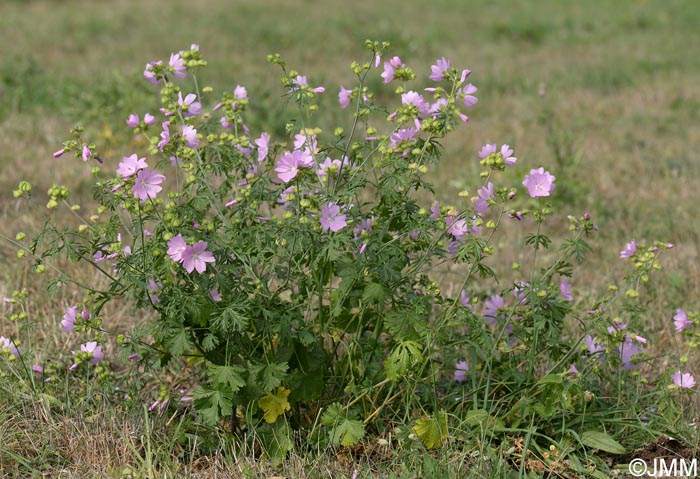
274	405
229	376
432	431
374	293
405	356
551	379
212	405
277	440
345	431
602	441
180	343
210	342
272	375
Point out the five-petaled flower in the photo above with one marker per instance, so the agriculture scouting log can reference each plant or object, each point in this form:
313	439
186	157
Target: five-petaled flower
630	249
461	369
680	320
684	380
196	257
147	184
130	165
439	69
331	218
539	183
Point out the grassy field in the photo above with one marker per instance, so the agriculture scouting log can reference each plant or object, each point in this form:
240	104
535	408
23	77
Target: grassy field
602	93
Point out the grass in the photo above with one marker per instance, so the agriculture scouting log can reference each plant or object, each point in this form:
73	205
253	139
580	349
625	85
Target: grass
603	94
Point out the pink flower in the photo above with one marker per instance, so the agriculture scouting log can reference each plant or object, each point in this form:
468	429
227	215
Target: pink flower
506	153
196	257
492	307
684	380
289	164
461	369
190	135
215	296
189	106
486	193
176	246
457	228
150	74
59	153
438	70
96	351
331	219
487	150
147	184
164	135
68	322
390	68
593	344
6	343
240	93
132	121
469	99
404	134
630	249
565	289
149	119
417	100
263	145
680	320
178	65
301	81
539	183
130	165
86	154
344	97
629	351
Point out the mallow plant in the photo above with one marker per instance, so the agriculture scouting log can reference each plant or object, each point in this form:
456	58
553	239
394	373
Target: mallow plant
299	275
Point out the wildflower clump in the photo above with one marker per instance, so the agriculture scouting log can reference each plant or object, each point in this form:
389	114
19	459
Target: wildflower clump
301	274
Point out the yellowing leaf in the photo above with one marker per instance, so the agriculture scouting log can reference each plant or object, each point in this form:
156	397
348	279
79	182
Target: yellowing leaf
432	431
274	405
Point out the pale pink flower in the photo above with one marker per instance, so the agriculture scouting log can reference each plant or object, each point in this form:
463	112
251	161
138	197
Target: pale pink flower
565	289
289	164
132	121
469	99
680	320
164	135
539	183
86	153
130	165
344	97
263	146
196	257
461	369
68	322
190	135
439	69
189	106
215	296
147	184
176	246
684	380
178	65
6	343
331	218
150	74
630	249
486	193
93	348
